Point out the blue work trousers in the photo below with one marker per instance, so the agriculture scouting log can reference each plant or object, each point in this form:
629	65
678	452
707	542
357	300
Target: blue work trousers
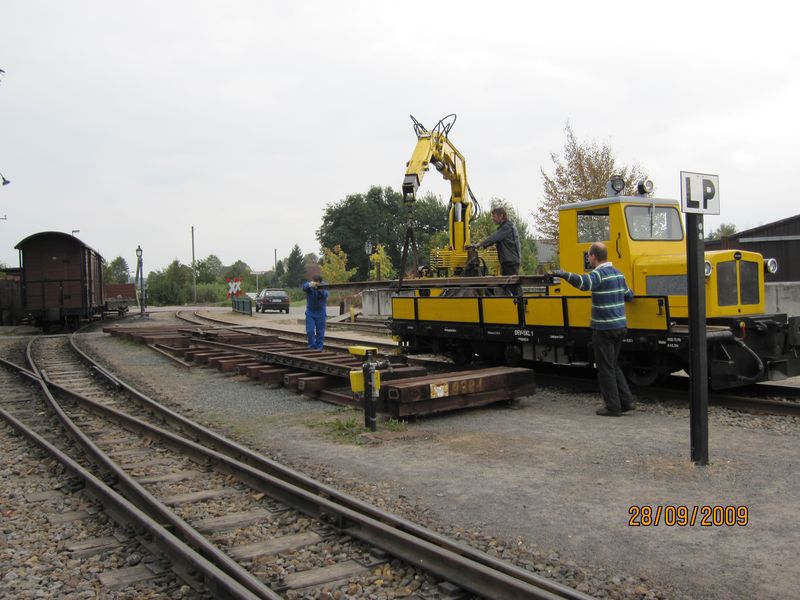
315	330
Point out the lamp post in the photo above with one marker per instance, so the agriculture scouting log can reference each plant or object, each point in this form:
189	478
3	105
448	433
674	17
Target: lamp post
4	180
368	252
140	271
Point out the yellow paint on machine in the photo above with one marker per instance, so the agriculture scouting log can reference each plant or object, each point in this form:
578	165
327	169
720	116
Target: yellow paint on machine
500	311
647	313
403	308
544	311
454	310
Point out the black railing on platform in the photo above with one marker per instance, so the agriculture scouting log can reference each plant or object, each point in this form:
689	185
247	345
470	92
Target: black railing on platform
243	305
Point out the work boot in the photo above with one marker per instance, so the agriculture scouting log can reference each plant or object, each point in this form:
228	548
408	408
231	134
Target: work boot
604	412
629	407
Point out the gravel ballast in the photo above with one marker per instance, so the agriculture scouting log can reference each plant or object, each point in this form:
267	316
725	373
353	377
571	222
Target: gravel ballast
545	483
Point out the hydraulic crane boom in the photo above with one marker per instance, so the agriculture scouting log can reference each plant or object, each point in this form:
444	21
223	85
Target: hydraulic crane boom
434	148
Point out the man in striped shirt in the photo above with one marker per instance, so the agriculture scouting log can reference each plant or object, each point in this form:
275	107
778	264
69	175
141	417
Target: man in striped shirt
609	326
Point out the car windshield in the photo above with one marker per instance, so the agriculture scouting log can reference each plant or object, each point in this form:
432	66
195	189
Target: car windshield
274	293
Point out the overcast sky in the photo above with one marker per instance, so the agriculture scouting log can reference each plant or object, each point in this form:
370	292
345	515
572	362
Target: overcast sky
133	122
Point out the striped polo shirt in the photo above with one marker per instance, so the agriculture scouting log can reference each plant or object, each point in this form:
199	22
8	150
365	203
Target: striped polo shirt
609	294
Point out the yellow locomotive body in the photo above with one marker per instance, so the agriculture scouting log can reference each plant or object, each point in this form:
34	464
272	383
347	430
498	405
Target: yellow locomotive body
549	320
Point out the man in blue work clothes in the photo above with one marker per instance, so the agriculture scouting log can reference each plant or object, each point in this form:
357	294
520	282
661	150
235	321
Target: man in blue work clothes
610	292
316	312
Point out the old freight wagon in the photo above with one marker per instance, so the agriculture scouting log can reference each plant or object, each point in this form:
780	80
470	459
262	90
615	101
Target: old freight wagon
62	279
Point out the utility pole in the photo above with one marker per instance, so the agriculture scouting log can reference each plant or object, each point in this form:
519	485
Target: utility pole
194	272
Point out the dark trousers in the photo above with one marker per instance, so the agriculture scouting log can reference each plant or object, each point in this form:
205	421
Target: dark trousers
509	268
613	385
315	330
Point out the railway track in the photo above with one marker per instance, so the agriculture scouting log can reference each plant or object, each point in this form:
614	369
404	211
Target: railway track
332	341
235	522
759	398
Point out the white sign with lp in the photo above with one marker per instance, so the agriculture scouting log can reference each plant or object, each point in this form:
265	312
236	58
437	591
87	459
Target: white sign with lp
699	193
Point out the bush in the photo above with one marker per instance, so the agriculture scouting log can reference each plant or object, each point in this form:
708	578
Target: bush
211	293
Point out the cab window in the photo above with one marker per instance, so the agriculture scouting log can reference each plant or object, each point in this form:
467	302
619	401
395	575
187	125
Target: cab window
653	223
594	225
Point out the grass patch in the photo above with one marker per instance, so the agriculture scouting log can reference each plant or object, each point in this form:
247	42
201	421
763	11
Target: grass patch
395	425
346	429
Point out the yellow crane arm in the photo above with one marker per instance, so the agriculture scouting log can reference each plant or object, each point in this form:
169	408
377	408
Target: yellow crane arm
434	148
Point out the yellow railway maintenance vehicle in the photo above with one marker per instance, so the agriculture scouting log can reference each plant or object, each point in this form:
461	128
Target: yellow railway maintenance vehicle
549	323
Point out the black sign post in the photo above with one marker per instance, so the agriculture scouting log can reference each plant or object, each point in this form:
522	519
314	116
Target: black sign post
698	349
699	196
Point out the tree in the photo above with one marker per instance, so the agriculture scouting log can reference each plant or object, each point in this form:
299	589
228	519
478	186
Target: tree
724	230
381	265
280	273
582	174
378	217
116	271
334	265
295	268
240	270
209	270
170	286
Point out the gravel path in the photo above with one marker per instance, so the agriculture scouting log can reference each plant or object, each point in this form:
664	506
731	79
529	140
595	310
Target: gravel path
546	484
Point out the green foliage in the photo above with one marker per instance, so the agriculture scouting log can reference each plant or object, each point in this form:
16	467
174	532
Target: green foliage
379	217
170	286
381	265
295	268
280	273
345	430
582	174
210	270
211	293
393	424
116	271
334	265
724	230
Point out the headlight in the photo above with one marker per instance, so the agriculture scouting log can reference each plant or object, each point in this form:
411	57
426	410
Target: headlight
615	186
771	265
707	268
645	187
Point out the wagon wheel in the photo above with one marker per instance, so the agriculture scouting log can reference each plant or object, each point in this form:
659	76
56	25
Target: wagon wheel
462	354
513	355
644	376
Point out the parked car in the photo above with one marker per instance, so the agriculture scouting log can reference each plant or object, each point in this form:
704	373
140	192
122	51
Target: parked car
268	299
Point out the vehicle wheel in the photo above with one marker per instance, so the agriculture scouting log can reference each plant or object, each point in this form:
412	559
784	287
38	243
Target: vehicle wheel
513	355
463	354
644	376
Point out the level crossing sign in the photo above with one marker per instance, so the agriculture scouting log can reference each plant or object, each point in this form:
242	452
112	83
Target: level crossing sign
699	193
234	286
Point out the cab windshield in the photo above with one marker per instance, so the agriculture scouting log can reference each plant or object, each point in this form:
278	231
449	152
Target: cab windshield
653	223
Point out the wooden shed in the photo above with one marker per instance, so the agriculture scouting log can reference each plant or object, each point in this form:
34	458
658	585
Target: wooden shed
779	240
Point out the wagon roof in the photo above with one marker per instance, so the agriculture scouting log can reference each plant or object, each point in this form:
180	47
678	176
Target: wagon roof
57	234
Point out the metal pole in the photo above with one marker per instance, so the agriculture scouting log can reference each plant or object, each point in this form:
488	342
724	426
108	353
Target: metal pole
275	263
194	272
370	393
698	348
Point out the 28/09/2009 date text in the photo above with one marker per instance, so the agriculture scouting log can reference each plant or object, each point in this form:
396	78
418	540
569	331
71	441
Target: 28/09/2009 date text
679	515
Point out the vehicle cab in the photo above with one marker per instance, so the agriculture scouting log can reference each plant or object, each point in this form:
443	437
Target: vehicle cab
646	241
